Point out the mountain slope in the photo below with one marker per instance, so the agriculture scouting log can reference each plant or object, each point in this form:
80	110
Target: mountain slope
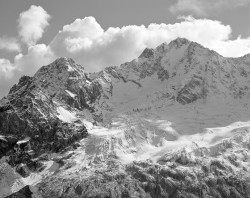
181	110
37	108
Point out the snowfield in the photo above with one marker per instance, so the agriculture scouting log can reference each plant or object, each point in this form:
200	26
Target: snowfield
151	134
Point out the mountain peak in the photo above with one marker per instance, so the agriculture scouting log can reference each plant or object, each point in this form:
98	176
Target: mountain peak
147	53
60	65
174	44
62	60
179	42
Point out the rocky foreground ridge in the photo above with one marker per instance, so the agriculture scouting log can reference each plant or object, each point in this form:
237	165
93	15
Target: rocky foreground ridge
62	104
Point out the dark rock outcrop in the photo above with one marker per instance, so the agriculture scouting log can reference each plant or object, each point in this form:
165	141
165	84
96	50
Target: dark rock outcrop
146	180
7	143
25	192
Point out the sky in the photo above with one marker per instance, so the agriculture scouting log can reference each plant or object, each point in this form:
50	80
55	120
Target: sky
98	33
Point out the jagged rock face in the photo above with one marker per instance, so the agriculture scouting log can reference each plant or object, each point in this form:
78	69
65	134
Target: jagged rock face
6	144
32	106
147	180
219	171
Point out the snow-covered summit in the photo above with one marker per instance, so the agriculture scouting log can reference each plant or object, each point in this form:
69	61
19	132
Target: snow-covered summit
179	42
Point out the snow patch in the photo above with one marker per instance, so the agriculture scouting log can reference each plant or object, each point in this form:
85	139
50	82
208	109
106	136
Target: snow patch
71	94
25	140
65	115
87	124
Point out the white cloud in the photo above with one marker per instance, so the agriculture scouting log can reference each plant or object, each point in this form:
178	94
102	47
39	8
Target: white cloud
85	41
6	68
6	76
205	7
233	48
9	44
32	23
78	35
37	56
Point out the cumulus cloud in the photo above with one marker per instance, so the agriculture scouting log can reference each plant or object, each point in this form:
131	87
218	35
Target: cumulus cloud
88	44
6	68
9	44
78	35
205	7
6	76
32	23
37	56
